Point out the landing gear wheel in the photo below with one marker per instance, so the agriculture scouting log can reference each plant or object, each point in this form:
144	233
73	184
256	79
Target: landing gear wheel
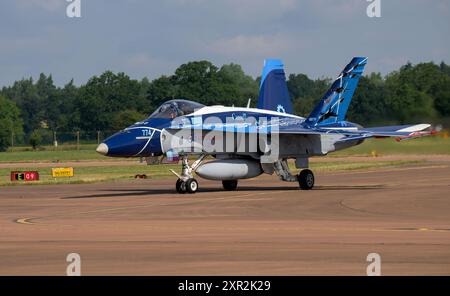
306	179
191	185
181	186
230	185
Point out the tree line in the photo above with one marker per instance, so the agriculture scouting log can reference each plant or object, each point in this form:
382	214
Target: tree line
111	101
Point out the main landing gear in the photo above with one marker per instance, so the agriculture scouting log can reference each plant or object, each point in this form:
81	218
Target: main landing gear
230	185
305	178
186	182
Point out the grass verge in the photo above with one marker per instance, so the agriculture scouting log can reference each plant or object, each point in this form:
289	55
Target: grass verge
95	174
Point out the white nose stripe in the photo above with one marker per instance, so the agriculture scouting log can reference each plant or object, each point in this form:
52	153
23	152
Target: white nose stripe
146	144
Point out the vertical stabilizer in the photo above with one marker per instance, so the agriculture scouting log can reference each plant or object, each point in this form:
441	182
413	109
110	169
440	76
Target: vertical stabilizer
334	104
273	91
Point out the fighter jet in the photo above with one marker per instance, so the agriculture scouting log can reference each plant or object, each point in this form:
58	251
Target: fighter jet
233	143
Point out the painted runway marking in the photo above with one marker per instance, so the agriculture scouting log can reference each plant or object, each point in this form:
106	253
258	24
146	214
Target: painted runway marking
27	221
421	229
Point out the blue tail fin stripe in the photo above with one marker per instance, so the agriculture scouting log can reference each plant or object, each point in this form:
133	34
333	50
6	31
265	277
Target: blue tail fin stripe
269	66
334	104
273	92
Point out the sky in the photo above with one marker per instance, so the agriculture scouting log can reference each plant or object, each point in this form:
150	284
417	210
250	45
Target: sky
149	38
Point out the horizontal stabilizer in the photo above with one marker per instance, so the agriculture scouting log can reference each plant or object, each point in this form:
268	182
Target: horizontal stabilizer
401	132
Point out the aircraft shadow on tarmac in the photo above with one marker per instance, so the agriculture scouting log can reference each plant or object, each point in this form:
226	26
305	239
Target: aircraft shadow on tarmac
160	191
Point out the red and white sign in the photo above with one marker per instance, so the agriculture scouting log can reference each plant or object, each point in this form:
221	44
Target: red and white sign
25	176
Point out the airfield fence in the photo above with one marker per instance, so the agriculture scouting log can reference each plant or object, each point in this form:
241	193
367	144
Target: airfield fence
59	140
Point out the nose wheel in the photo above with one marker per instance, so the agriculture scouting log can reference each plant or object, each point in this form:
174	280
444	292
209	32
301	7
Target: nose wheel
189	186
181	186
186	182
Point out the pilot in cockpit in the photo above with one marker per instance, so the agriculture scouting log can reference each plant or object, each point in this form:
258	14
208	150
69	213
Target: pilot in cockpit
175	108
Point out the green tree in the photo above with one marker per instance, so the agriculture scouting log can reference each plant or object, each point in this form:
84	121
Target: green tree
445	68
368	106
442	98
203	82
50	102
125	118
35	139
412	92
306	93
407	104
10	122
69	117
102	97
233	86
159	91
195	81
24	94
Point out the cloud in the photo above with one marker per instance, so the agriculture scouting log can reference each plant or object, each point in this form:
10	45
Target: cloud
143	64
260	11
150	38
254	45
48	5
390	61
21	44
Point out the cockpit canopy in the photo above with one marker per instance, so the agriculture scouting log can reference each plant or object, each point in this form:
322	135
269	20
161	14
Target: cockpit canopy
175	108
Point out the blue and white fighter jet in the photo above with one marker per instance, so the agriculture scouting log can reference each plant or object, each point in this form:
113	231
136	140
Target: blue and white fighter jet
247	142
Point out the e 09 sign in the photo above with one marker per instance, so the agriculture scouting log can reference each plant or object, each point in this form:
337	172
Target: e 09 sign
25	176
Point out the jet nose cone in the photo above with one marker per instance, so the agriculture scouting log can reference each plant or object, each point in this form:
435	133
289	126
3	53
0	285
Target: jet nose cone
102	149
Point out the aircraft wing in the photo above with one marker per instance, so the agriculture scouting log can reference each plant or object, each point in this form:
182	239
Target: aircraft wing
402	132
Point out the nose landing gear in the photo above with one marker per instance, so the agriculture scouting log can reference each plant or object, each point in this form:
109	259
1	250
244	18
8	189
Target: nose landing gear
181	186
186	182
190	186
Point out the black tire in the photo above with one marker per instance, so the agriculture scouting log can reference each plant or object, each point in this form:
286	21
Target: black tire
230	185
192	185
181	186
306	179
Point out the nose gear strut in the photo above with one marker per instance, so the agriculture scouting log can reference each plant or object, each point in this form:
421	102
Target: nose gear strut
186	181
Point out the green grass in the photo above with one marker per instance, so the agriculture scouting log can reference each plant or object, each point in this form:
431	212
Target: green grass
96	174
50	156
351	166
63	147
90	174
388	146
